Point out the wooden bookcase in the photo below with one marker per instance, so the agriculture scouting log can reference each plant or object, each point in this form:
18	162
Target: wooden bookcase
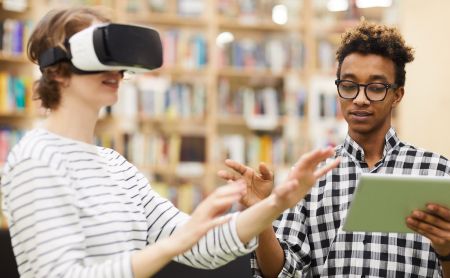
181	147
15	111
257	31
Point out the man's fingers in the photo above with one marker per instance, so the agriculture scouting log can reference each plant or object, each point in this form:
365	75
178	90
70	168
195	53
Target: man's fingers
236	166
227	175
435	239
432	220
428	230
322	171
439	210
266	174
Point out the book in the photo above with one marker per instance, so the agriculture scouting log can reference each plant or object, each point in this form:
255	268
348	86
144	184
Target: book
15	5
188	196
192	149
1	34
190	7
261	109
274	52
159	6
159	97
232	146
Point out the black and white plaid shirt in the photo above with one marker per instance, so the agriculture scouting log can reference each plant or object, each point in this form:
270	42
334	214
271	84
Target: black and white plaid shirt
311	233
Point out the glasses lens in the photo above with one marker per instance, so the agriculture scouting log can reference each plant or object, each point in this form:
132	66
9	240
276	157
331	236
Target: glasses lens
348	89
376	91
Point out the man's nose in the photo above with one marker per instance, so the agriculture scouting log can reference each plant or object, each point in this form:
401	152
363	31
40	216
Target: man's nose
361	98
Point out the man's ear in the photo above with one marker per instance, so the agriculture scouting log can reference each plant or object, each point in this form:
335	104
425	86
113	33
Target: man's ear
398	95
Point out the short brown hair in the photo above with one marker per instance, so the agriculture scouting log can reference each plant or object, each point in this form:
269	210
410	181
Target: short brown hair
51	31
372	38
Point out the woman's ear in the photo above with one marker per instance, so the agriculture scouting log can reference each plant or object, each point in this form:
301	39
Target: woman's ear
398	96
63	81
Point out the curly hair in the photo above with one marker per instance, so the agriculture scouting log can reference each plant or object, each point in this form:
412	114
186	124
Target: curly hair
372	38
52	31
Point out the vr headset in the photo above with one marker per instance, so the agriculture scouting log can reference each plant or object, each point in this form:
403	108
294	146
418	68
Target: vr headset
108	47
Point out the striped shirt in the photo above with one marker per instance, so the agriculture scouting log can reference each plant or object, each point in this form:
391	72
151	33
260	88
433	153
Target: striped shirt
78	210
311	233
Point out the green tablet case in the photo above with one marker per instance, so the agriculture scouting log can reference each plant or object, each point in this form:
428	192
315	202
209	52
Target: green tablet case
382	202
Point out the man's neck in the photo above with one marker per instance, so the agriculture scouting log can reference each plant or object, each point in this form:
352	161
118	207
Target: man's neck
372	144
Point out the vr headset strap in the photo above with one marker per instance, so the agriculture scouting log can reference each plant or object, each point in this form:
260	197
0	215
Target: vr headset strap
53	56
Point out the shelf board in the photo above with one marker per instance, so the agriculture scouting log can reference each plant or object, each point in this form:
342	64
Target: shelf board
167	19
176	170
231	120
237	24
254	72
237	120
18	115
162	169
178	70
15	58
175	120
190	126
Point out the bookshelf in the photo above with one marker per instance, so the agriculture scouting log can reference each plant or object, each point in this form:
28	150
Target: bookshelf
17	110
15	113
244	90
234	84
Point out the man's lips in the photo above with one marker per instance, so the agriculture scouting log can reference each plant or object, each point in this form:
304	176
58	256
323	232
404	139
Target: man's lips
360	114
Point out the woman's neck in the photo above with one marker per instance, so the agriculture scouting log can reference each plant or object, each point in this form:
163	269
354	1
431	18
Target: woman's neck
76	125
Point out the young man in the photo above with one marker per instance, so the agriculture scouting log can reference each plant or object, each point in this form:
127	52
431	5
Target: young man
308	239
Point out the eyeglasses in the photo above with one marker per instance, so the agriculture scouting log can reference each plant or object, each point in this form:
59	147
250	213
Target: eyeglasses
375	91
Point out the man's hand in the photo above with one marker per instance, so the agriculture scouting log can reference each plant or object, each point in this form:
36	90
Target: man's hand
302	177
433	223
259	185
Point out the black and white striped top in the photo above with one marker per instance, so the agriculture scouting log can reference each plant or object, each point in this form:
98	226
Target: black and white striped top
78	210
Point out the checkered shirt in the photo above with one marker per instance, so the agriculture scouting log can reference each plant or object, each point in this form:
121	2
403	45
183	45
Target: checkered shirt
311	233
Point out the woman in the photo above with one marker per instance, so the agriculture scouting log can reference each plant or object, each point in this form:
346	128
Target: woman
78	210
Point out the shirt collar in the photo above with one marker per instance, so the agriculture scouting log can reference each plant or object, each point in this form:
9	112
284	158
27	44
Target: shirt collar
354	150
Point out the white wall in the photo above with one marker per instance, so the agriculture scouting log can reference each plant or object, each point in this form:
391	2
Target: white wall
424	114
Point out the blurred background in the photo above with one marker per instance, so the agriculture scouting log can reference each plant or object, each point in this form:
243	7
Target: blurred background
248	80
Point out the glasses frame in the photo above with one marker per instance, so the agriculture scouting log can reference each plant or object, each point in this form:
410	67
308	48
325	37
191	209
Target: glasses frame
387	86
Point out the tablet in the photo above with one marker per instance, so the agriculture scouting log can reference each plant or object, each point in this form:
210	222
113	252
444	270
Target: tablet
382	202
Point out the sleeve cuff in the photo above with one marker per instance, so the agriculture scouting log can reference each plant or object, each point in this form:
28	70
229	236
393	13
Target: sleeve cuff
290	267
240	246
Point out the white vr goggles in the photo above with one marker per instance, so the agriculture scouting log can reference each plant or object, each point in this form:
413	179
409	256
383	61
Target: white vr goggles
108	47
